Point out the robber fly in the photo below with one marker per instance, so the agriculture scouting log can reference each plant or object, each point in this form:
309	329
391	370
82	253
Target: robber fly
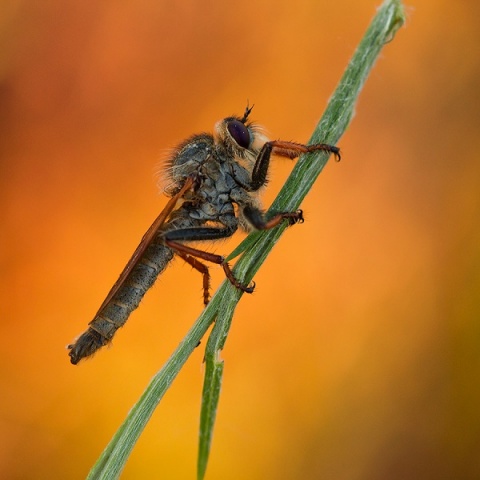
214	184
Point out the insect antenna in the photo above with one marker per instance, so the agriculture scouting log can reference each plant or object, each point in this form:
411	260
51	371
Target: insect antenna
247	113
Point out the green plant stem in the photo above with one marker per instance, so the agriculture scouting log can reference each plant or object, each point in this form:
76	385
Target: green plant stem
255	249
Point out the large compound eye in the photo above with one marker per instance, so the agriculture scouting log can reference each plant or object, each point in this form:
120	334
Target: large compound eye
239	133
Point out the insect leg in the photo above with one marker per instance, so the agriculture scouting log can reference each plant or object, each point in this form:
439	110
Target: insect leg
284	149
180	249
200	267
256	217
173	237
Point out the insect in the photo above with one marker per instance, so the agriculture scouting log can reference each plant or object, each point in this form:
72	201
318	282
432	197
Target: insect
214	185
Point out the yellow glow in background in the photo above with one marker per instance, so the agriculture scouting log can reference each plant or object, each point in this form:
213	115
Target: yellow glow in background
358	355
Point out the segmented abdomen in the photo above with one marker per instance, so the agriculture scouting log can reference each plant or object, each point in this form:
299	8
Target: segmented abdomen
115	312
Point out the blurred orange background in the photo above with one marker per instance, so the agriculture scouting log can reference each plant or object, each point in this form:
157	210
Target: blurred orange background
358	356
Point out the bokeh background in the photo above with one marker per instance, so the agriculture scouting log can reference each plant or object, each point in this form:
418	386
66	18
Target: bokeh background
358	356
